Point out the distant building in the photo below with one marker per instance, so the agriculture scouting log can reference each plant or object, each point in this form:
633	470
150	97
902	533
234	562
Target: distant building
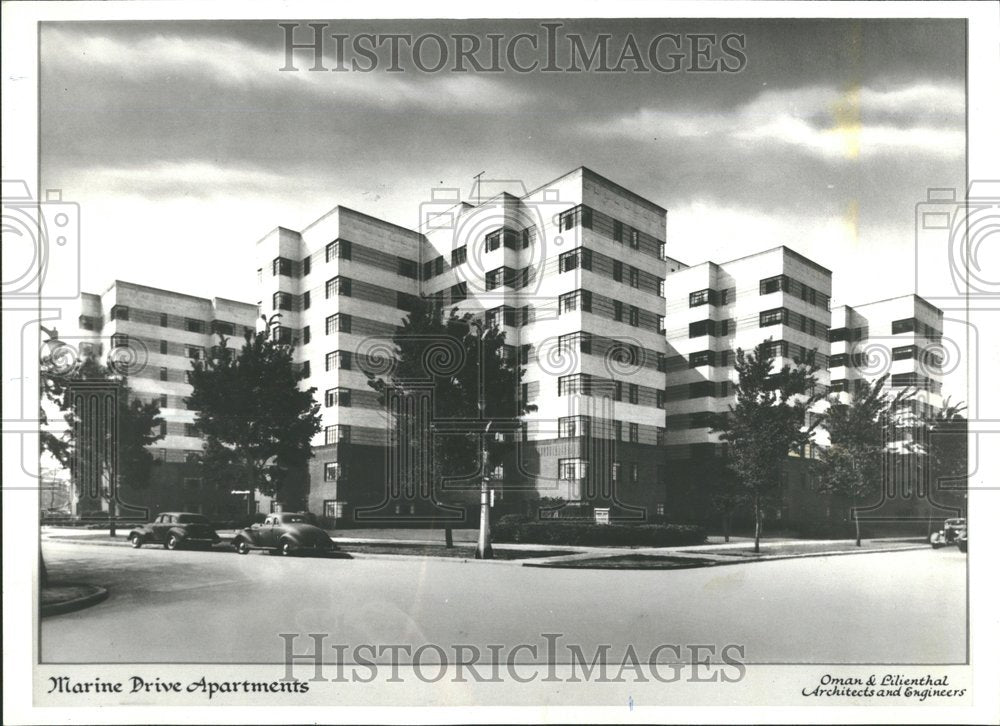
155	334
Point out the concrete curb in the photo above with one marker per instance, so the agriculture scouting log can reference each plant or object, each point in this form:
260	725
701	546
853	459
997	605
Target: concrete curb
97	594
563	564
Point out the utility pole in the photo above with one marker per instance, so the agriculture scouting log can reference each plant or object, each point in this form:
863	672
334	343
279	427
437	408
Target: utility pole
484	550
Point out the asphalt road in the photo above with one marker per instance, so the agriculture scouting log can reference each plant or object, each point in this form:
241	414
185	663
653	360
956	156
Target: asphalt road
209	607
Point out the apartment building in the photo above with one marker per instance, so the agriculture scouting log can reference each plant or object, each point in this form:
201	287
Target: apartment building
342	286
153	335
901	338
711	310
573	271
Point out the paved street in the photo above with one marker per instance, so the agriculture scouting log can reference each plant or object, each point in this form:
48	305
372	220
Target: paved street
220	607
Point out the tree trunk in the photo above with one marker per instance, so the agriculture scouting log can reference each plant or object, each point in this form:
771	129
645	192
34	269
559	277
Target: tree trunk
756	526
113	513
725	524
857	527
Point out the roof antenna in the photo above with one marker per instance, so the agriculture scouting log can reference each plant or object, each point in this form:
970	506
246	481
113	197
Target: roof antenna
479	181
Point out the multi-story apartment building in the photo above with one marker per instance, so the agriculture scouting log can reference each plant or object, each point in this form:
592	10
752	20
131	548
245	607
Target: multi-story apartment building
626	351
153	335
342	287
713	309
573	271
900	337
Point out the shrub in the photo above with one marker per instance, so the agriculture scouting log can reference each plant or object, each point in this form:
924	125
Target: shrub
519	528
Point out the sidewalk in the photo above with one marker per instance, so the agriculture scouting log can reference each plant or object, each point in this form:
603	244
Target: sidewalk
394	544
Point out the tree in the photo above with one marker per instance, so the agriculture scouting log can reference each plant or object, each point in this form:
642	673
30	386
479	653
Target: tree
257	422
948	453
115	451
475	388
852	463
767	422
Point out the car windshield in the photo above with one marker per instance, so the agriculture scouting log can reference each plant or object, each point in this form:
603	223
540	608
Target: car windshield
293	519
192	519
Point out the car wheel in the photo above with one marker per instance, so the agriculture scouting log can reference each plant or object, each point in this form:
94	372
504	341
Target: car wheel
286	549
136	540
173	542
242	547
963	545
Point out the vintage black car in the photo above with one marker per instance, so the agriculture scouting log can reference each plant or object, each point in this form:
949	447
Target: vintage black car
954	530
286	533
175	530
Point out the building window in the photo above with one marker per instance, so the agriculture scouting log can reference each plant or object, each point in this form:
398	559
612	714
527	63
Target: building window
661	399
616	270
616	231
306	335
190	429
459	291
333	509
617	390
633	316
332	471
616	471
572	469
194	352
698	298
634	239
338	323
619	308
616	428
907	325
163	374
281	334
634	472
306	265
406	268
306	300
633	392
493	241
119	312
570	426
338	286
338	359
661	510
339	397
119	340
306	369
458	256
778	316
772	284
633	433
571	342
573	384
339	249
163	320
904	353
580	257
633	276
194	326
281	301
701	358
281	266
339	434
576	300
162	400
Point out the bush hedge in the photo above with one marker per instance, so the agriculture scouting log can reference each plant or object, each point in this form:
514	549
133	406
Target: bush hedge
519	528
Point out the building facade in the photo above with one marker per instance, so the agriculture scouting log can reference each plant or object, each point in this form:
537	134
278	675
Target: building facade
152	335
712	310
626	352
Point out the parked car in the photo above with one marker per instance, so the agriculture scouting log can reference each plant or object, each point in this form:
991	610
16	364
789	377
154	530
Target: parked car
175	530
953	530
286	533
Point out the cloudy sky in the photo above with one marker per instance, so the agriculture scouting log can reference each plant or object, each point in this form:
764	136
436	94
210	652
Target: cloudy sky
184	143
